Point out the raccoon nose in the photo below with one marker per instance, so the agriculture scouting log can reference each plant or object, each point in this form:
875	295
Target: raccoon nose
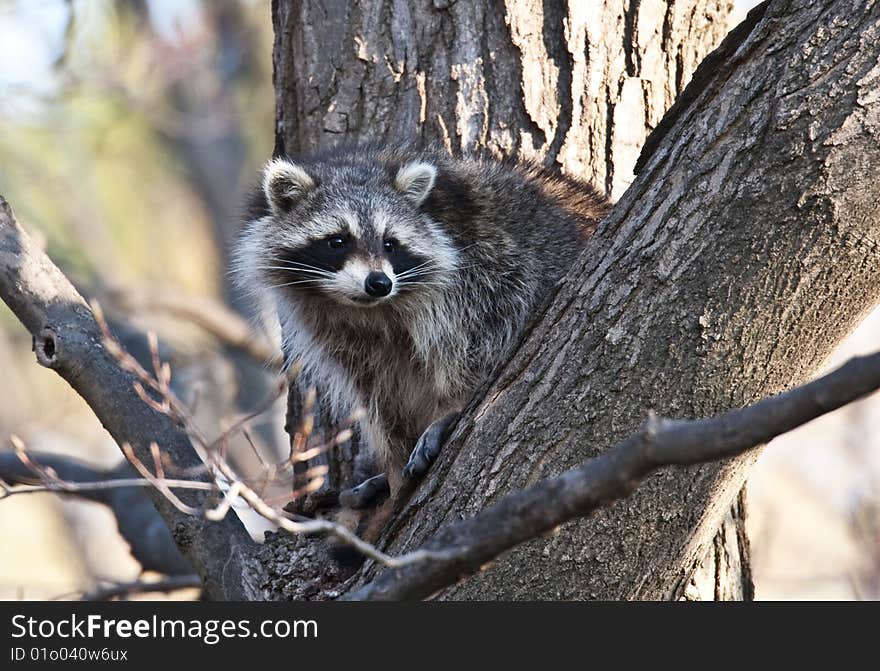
378	285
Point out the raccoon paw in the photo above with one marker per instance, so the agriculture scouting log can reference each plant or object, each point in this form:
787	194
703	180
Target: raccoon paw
428	448
365	493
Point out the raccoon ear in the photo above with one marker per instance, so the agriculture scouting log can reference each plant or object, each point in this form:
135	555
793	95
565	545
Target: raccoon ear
284	184
415	181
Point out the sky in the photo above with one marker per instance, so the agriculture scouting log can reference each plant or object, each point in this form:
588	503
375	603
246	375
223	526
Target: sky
32	37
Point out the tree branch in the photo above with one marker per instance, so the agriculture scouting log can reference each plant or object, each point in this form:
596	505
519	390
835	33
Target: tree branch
216	319
741	256
168	584
615	474
67	340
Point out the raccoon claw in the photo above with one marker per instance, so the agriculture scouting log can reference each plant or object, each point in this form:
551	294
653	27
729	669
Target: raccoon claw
365	493
428	448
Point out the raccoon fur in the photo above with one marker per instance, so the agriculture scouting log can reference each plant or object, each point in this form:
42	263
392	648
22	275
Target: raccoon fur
402	277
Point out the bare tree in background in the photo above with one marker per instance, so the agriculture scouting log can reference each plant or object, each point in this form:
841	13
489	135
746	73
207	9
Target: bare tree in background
741	255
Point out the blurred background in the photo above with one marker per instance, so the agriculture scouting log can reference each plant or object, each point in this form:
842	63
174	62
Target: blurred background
128	133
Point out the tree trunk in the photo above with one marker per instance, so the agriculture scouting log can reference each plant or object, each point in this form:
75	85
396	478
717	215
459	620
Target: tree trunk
737	261
580	84
571	83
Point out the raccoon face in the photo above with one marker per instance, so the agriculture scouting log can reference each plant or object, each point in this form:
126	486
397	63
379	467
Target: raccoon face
353	234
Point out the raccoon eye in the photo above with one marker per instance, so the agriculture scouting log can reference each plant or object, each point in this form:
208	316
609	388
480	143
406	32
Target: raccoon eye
389	245
336	242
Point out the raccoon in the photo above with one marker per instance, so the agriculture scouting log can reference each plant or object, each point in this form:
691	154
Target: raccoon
402	277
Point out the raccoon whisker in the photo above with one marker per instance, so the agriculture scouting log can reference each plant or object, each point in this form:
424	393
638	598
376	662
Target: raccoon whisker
278	286
287	259
302	271
429	262
309	279
288	284
292	263
321	273
426	264
415	273
421	269
414	279
297	264
426	272
406	276
410	285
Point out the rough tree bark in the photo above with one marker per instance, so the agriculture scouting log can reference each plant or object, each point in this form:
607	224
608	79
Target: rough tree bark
742	255
578	84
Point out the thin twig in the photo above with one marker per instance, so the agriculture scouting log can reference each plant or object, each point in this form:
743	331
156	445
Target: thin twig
215	318
63	487
122	589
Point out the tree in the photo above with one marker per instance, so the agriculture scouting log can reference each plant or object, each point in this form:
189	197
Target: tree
575	86
736	261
